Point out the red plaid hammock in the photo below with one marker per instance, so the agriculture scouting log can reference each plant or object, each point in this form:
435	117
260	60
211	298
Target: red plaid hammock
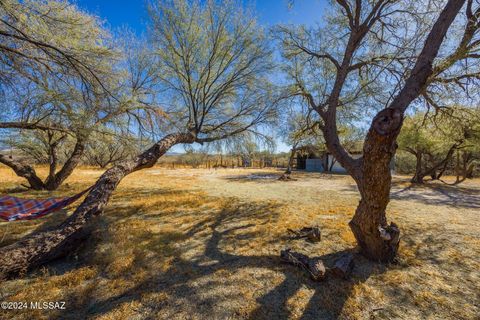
13	208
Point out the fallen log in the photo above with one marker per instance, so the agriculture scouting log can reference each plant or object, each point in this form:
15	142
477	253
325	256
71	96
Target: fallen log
311	233
314	266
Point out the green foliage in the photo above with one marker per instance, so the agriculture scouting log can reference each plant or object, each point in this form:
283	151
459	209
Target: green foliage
433	137
404	162
426	134
108	147
53	35
422	135
66	75
37	145
214	62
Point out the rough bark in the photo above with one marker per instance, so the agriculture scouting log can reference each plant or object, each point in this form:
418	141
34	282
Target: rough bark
23	170
378	240
374	186
40	248
54	180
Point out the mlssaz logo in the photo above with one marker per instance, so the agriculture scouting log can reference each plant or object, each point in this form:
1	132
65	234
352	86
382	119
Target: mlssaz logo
57	305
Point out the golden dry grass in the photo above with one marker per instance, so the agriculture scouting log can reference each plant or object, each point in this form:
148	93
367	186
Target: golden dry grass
204	244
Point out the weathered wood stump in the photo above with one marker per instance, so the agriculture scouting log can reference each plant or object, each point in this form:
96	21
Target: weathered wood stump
314	266
311	233
317	269
343	266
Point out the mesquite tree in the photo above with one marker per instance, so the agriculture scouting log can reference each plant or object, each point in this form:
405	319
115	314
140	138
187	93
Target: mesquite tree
298	129
52	60
50	34
212	74
349	63
59	120
436	141
71	81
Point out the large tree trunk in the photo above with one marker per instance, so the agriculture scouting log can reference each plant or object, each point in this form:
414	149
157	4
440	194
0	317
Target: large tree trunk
377	240
40	248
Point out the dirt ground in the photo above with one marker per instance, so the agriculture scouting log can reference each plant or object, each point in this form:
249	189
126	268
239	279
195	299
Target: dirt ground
205	244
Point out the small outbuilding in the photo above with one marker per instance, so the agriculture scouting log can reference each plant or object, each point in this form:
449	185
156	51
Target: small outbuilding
317	159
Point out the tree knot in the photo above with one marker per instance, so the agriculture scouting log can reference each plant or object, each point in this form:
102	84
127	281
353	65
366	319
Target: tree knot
387	121
390	233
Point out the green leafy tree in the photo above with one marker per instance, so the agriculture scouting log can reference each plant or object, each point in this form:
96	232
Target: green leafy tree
431	143
53	58
53	35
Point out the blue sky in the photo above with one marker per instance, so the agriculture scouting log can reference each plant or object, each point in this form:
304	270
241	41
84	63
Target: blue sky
133	14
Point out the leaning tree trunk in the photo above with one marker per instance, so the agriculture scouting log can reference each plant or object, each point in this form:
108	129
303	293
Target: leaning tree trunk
43	247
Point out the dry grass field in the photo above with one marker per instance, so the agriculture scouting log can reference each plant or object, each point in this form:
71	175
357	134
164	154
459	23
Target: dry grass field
204	244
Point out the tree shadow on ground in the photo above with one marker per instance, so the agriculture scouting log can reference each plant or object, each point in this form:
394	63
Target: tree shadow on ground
12	231
259	177
194	287
269	177
432	194
440	194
